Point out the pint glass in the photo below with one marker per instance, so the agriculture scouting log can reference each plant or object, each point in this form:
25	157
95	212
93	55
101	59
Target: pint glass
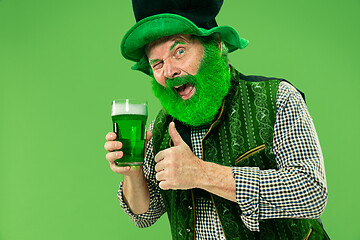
129	119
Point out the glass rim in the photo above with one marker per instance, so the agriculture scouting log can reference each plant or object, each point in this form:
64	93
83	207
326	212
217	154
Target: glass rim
129	100
129	106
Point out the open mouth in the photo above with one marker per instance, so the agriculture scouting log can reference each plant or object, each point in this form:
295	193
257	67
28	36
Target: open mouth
185	91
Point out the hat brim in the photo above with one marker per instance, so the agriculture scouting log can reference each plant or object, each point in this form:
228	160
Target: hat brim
166	24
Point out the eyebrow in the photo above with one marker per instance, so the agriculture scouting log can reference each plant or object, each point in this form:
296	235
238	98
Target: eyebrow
176	43
153	61
171	48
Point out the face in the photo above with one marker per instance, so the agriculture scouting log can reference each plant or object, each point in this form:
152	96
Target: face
192	80
176	56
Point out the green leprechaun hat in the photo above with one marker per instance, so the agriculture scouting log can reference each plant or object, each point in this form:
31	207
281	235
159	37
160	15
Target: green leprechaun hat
160	18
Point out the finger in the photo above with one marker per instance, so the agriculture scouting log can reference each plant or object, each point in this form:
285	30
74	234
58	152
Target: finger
112	145
160	156
163	185
175	136
111	136
159	166
120	170
160	176
112	156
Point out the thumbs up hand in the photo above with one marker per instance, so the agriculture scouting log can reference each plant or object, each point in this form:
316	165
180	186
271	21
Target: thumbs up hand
177	167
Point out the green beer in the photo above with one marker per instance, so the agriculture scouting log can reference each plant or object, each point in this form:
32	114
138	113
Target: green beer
129	119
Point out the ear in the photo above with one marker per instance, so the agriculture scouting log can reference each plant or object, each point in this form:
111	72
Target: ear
220	45
218	39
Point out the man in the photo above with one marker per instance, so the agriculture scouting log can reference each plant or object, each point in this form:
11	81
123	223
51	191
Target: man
230	156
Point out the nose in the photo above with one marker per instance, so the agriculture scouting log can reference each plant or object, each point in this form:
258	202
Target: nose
170	69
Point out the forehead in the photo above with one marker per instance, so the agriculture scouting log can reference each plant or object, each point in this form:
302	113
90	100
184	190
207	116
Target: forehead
185	38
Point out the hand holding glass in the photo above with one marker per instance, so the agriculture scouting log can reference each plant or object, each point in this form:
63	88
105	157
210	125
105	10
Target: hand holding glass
129	119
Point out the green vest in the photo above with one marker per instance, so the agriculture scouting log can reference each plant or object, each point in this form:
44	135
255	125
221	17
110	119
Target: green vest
242	136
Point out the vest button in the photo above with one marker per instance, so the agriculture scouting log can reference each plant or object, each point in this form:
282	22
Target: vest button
188	230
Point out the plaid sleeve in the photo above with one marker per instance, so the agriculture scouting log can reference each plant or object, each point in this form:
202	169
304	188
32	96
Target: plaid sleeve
156	208
298	188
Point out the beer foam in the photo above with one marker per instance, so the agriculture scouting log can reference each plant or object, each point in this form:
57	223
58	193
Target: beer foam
128	108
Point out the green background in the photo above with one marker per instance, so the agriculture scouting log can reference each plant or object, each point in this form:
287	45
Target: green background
60	67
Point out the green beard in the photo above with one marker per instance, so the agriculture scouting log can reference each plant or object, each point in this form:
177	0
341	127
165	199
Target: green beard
212	83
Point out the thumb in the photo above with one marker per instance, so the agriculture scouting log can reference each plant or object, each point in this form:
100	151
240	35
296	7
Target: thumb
175	136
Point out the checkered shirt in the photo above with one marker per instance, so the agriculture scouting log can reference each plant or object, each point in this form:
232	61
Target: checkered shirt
296	190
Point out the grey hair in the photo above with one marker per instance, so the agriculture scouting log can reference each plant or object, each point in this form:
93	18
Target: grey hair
214	39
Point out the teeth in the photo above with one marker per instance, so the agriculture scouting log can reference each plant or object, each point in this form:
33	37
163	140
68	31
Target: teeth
176	87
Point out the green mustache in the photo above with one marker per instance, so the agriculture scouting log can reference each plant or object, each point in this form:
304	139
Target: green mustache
170	83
